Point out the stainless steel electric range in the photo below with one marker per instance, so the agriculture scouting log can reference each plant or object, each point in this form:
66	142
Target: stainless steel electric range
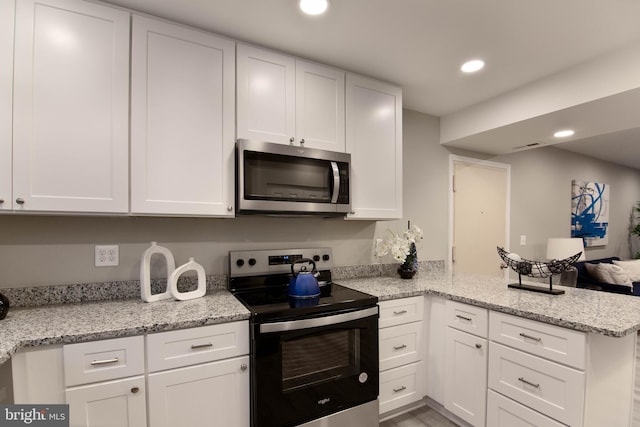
314	361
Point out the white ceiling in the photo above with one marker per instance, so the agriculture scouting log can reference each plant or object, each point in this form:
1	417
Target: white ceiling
420	44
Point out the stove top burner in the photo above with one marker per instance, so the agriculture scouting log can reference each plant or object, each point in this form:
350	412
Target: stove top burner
261	284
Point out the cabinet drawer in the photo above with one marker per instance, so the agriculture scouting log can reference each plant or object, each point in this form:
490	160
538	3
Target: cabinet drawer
400	345
103	360
399	387
399	311
549	341
504	412
174	349
548	387
467	318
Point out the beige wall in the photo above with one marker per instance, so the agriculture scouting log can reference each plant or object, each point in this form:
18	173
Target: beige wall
48	250
541	199
44	250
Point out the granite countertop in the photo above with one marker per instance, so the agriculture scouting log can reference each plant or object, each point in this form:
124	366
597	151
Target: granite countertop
580	309
70	323
584	310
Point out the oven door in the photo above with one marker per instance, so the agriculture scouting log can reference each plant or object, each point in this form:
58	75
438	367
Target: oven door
309	368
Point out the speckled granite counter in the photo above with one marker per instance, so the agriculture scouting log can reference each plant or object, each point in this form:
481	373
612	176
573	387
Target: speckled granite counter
580	309
584	310
69	323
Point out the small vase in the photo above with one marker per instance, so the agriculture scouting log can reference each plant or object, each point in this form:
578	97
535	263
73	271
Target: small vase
406	273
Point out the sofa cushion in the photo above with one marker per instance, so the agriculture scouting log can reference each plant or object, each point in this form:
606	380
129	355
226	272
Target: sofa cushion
631	268
608	273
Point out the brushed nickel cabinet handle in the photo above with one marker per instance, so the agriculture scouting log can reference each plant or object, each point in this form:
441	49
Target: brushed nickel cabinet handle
20	201
399	347
243	367
398	313
197	346
523	335
229	208
399	389
468	319
521	379
105	361
291	140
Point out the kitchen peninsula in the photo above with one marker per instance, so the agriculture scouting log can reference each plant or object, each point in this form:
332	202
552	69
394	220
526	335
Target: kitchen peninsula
606	325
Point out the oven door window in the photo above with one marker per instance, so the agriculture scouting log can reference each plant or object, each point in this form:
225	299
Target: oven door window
312	360
285	178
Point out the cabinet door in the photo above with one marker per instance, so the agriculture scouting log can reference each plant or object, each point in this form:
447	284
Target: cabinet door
182	120
71	116
6	99
320	106
374	139
211	394
265	95
119	403
465	391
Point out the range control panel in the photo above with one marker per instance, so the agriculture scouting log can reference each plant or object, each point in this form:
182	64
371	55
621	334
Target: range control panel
272	261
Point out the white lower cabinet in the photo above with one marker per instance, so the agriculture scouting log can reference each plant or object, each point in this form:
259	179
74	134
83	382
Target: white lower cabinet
209	394
118	403
199	377
104	383
504	412
466	362
400	343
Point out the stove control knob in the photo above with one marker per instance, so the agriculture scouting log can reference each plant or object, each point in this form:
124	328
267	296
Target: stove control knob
316	258
325	257
252	261
240	262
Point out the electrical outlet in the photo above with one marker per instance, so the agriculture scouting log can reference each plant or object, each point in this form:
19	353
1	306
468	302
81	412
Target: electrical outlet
107	255
523	240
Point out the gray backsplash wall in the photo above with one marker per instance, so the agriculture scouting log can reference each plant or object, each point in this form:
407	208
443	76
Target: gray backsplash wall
38	250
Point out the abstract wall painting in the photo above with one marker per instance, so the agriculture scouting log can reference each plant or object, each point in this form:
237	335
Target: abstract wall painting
590	212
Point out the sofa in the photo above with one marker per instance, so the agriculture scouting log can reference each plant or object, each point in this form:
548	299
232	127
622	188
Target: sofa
588	281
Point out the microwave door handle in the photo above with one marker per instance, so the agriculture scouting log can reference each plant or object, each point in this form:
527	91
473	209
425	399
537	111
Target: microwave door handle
294	325
336	182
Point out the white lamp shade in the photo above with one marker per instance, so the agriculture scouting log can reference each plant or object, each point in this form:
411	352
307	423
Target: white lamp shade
561	248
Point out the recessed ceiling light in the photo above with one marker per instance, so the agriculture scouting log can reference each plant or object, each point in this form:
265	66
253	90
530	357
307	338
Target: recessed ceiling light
472	66
314	7
563	133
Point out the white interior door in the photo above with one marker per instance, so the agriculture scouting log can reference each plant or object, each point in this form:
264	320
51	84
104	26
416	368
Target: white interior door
480	209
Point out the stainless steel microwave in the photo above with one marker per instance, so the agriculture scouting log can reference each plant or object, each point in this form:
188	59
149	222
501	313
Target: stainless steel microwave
280	179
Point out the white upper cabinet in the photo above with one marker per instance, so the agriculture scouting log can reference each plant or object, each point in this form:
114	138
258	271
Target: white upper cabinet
320	106
182	121
71	116
374	139
6	100
265	95
289	101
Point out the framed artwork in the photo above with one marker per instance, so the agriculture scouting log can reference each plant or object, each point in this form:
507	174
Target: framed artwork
590	212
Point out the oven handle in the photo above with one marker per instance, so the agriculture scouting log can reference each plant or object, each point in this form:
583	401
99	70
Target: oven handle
336	182
295	325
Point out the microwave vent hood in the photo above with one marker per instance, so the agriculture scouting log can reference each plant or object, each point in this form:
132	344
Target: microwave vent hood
286	180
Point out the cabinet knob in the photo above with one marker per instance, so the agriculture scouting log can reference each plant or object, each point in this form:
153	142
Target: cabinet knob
20	201
291	140
478	345
302	141
1	201
135	389
229	208
243	367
